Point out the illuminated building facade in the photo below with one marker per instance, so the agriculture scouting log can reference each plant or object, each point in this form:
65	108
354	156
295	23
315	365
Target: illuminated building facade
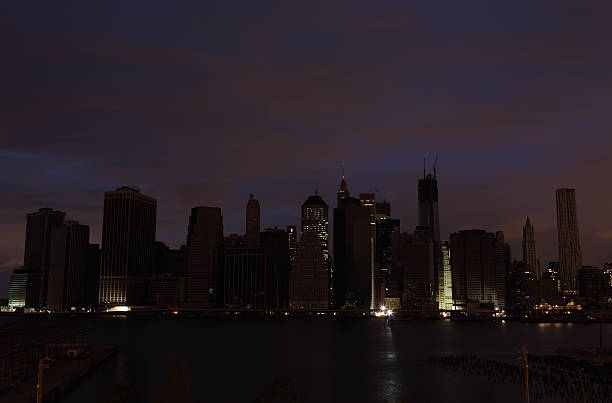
315	219
252	223
128	235
308	282
17	288
570	253
530	256
445	278
68	266
36	256
204	258
368	200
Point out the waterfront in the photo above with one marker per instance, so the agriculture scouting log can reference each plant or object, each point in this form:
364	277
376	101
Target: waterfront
325	360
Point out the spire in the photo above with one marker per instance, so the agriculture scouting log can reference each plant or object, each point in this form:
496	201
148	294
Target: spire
343	192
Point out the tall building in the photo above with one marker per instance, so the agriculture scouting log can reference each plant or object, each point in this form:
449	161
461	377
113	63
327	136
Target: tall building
315	219
292	238
413	257
383	210
343	192
204	258
428	205
368	200
445	278
252	223
478	266
92	276
308	282
244	282
17	288
68	266
36	255
385	228
353	284
128	237
570	254
529	249
275	242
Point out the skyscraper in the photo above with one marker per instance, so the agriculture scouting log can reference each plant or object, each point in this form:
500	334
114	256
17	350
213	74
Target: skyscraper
385	228
292	238
529	250
36	255
204	258
128	237
428	205
308	281
68	266
17	288
570	254
275	242
445	278
252	223
343	192
353	277
413	260
478	268
315	219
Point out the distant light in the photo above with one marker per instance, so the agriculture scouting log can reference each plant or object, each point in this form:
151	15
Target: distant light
175	312
383	308
121	308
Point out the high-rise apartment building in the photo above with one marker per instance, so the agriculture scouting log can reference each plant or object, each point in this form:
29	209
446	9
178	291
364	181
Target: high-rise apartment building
530	256
252	223
36	254
68	266
128	237
570	254
204	258
315	219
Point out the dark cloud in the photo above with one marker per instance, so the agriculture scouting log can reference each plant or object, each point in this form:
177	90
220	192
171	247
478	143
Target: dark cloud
203	103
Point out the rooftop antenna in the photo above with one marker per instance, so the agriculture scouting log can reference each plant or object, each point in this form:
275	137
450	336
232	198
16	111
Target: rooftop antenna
342	170
434	167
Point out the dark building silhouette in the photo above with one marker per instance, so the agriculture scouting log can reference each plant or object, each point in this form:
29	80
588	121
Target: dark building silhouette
92	276
234	241
244	284
167	286
308	284
385	228
275	242
204	258
428	205
343	192
252	223
68	266
413	260
383	210
292	237
478	264
570	253
315	219
353	278
530	256
36	255
592	282
128	236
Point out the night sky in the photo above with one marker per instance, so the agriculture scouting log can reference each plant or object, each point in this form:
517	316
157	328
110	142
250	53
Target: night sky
203	103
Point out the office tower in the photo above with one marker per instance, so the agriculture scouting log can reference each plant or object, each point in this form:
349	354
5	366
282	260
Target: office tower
204	258
592	282
36	254
17	288
445	278
167	286
68	266
385	228
478	265
570	255
314	219
553	272
343	192
275	242
413	257
308	282
353	278
252	223
292	237
244	278
128	236
428	205
383	210
529	250
92	276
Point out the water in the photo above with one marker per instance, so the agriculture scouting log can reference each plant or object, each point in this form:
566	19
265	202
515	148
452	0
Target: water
229	360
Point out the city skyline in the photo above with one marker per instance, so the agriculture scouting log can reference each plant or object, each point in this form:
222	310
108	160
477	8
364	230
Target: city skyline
205	111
